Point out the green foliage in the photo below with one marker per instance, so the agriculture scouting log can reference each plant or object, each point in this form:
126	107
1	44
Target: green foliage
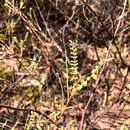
5	71
22	42
2	38
35	62
30	121
83	81
73	64
79	83
30	31
94	71
23	63
21	4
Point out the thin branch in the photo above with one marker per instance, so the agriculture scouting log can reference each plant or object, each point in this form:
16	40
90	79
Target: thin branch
28	110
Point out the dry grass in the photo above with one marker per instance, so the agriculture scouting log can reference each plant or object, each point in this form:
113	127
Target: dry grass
84	87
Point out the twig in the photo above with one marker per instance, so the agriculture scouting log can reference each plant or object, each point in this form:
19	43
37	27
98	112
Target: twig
110	34
28	110
120	18
96	85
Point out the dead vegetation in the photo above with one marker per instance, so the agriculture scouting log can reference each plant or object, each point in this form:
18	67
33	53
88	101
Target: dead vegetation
48	84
